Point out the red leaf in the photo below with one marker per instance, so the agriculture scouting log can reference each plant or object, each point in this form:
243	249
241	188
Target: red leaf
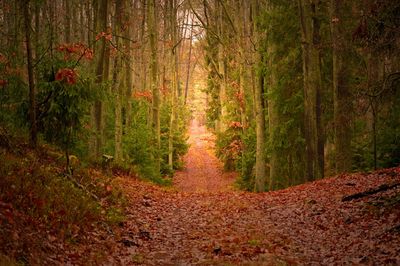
66	74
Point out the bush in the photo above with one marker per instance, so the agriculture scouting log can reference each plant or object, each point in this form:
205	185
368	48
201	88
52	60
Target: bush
139	142
229	146
38	188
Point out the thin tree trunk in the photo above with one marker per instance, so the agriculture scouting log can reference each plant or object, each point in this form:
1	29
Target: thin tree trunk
260	134
175	81
189	60
222	72
260	115
67	24
118	82
130	19
153	37
275	173
31	82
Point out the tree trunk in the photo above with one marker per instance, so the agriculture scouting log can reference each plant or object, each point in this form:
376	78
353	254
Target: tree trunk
260	115
175	81
67	25
312	86
31	82
189	60
260	133
129	18
153	37
341	90
222	72
118	81
97	110
276	166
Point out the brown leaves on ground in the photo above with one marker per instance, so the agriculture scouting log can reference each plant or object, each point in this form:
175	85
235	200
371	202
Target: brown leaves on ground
307	224
203	172
188	225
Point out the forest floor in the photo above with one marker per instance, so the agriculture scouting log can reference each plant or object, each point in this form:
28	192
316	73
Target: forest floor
203	220
203	172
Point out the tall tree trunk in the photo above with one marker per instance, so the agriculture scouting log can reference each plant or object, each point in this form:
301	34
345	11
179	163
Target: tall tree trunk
260	134
143	61
37	31
276	166
260	115
189	60
341	90
67	25
175	80
100	48
118	81
32	90
153	37
222	71
89	15
312	87
129	62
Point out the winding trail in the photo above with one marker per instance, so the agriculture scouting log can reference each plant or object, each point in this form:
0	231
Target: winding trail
203	171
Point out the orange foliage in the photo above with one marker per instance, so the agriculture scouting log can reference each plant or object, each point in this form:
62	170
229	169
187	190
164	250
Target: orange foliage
3	59
235	125
240	98
78	49
146	95
106	35
3	82
67	74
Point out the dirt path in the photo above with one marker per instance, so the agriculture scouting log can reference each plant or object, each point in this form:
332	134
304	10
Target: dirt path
304	225
203	171
202	221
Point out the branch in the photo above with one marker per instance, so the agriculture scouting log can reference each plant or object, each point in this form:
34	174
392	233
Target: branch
381	188
229	17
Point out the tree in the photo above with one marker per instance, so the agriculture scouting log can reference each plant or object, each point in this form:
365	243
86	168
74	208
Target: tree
175	79
100	51
310	26
260	175
153	38
31	82
118	80
342	99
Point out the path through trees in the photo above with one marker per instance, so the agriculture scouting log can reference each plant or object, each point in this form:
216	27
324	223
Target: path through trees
203	171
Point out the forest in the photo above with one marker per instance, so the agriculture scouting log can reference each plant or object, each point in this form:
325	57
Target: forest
199	132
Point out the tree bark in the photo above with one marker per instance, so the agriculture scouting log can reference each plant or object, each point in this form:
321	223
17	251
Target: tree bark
153	37
222	71
189	60
260	115
31	81
100	48
341	90
175	80
312	88
118	81
67	25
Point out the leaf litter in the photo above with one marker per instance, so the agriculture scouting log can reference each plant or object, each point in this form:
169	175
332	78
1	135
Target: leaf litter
203	220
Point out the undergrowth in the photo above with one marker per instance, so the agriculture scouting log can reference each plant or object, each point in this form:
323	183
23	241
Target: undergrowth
39	201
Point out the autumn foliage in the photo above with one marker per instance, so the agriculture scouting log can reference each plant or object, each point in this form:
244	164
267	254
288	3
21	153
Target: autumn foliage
75	51
67	75
106	35
146	95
